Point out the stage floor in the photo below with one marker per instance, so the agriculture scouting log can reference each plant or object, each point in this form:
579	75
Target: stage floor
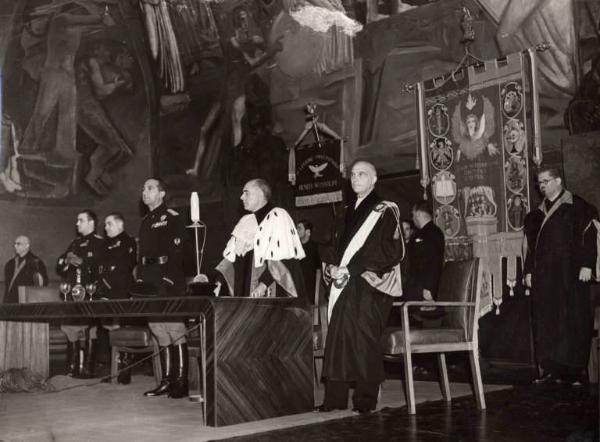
112	412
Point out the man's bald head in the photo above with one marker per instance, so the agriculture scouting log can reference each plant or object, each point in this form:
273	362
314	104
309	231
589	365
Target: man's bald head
363	177
22	245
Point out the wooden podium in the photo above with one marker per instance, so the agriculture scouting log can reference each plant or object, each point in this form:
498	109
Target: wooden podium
257	351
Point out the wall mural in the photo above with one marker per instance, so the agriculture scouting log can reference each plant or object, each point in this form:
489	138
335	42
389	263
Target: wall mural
69	74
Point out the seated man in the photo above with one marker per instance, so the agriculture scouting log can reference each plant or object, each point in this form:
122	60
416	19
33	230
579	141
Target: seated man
264	248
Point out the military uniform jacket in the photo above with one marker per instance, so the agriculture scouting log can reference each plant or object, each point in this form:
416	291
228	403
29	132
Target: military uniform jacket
116	270
161	238
90	248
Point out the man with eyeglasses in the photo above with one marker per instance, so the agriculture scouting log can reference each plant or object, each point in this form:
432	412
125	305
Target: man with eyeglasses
561	256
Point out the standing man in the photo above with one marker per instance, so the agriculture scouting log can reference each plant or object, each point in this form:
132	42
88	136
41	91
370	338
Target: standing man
116	277
24	269
312	262
366	277
263	248
426	256
561	242
80	264
160	271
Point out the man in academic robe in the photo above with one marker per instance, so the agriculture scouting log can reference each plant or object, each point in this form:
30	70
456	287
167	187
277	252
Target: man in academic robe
366	277
561	261
263	250
24	269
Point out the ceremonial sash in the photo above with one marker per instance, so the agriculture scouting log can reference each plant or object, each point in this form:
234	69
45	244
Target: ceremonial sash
355	244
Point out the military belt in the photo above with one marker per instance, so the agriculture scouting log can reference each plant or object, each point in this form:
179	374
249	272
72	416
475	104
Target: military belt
148	260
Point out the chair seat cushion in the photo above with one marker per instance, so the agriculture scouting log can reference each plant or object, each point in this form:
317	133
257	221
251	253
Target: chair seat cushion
57	336
393	338
130	337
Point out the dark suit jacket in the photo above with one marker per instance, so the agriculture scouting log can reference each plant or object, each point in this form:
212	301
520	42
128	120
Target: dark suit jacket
426	262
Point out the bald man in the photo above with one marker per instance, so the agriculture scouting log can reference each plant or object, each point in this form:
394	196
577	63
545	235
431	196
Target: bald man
365	279
24	269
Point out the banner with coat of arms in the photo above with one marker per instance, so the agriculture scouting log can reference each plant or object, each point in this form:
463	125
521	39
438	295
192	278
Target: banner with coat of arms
474	153
316	172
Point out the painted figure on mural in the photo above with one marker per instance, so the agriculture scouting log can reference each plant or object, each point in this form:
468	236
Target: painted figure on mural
472	132
245	51
100	75
63	27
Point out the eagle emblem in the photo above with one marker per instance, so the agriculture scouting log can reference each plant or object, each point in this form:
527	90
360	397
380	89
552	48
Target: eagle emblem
317	169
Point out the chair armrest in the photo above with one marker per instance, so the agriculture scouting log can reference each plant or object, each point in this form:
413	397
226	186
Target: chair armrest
407	304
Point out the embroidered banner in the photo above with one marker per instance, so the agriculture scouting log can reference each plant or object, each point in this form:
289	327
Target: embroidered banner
318	176
474	127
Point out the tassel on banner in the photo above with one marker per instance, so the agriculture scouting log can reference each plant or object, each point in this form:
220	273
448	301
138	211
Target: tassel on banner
422	140
511	273
537	134
292	166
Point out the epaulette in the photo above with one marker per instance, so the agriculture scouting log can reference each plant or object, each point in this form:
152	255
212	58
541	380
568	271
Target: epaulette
173	212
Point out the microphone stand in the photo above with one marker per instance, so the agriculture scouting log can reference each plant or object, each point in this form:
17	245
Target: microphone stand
197	225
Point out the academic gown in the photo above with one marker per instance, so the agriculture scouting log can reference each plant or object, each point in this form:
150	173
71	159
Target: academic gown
353	350
26	274
558	246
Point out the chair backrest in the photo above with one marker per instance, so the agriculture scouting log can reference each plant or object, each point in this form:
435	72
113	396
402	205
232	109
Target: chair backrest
319	314
29	293
459	284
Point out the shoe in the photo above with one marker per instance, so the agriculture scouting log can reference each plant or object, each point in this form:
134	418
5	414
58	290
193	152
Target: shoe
325	409
166	365
548	378
363	411
179	386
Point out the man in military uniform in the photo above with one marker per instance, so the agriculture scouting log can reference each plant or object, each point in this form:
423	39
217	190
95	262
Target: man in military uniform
160	272
80	264
116	275
120	256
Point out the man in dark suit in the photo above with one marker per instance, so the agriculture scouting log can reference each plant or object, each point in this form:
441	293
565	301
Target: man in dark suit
427	258
24	269
312	262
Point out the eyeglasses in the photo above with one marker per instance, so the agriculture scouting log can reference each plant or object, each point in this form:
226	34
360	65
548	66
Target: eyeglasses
540	182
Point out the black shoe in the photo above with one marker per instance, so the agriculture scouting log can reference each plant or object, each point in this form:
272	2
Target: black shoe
161	390
179	387
548	378
167	372
325	409
363	411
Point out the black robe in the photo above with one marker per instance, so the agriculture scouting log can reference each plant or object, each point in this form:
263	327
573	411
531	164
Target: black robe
27	275
559	244
353	350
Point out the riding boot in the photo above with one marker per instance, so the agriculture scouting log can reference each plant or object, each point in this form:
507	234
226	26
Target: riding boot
166	365
88	360
179	388
72	358
124	376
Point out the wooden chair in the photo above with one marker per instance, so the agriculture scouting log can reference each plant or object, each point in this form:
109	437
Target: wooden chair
319	329
133	339
458	297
